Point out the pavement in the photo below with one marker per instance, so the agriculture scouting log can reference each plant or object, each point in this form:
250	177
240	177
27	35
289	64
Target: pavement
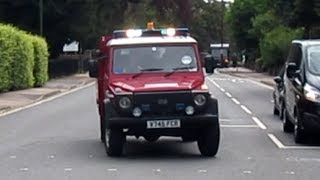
17	99
250	74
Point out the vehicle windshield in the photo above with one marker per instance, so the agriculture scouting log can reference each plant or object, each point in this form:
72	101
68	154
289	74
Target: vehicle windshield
134	60
313	57
216	53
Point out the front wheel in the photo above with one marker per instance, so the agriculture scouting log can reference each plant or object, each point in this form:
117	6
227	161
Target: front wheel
208	141
299	133
115	140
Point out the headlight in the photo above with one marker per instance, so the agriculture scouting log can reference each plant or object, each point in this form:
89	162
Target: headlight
200	100
124	102
311	93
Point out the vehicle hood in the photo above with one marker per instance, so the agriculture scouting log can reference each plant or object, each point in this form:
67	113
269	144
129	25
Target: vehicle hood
172	83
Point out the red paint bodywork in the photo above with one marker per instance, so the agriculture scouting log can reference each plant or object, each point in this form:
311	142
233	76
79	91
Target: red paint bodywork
146	82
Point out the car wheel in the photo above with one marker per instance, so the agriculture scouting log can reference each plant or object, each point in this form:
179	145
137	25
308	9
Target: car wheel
208	141
287	124
151	138
115	140
299	134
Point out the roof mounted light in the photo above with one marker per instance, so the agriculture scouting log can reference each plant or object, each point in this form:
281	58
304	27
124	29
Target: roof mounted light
171	32
134	33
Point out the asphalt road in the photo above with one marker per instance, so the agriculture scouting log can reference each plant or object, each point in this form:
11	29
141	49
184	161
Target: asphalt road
60	140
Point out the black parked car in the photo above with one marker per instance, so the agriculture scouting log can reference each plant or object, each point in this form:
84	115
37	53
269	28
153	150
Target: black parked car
302	89
278	97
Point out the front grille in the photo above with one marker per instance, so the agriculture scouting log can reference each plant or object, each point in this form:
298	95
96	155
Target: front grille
163	103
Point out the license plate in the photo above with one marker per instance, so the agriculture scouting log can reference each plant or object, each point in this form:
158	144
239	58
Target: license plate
158	124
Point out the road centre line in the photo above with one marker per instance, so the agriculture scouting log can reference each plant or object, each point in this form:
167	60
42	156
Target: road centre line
46	100
259	123
223	90
246	109
235	101
229	95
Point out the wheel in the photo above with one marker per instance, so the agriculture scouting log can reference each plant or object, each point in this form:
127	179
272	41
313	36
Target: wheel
299	133
151	138
208	141
102	131
115	140
287	124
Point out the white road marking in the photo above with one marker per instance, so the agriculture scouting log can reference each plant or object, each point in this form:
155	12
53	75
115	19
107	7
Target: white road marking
13	157
67	169
235	101
24	169
290	172
229	95
45	100
156	170
246	109
239	126
276	141
247	172
223	90
112	170
51	157
259	123
202	171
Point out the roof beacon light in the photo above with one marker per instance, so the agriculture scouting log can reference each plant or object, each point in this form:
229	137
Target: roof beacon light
150	25
134	33
171	32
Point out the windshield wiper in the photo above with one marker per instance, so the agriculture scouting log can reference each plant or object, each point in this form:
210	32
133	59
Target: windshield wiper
142	71
177	69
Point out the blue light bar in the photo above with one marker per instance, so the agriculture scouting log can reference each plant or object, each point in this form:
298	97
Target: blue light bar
153	32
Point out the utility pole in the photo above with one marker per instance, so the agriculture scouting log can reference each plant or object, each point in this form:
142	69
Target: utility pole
41	16
222	23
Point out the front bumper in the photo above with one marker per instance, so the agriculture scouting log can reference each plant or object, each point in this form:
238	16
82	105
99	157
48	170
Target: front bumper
197	121
310	115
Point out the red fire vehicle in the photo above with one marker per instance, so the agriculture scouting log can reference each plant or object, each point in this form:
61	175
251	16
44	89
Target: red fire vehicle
151	84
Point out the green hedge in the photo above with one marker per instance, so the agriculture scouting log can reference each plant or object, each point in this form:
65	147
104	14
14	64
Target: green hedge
23	59
40	70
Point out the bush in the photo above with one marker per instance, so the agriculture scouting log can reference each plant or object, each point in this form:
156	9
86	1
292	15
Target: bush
23	61
275	45
6	53
41	55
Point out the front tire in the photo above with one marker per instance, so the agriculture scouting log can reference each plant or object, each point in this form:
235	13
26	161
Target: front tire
208	141
299	133
102	131
115	140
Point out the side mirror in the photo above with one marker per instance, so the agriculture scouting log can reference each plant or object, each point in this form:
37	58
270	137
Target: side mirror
291	70
209	64
277	79
93	68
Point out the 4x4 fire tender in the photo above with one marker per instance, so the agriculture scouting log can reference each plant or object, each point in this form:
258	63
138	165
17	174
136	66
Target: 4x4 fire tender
151	84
